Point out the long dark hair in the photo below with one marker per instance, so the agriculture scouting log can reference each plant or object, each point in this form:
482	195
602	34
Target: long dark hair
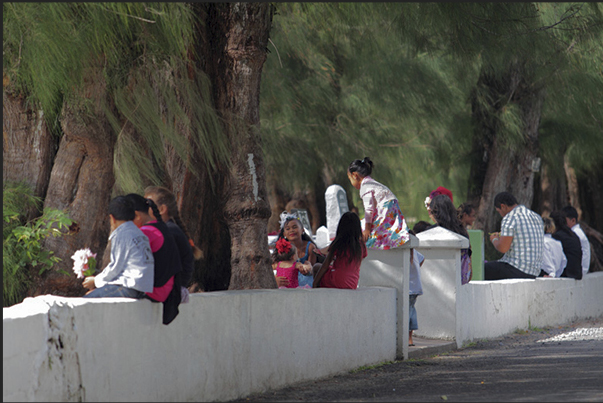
445	214
348	237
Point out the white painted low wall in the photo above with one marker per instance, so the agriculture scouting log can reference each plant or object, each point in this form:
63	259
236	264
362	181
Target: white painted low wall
489	309
222	346
390	268
226	345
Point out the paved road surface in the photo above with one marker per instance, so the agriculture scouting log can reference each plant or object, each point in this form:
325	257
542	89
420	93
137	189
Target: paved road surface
540	365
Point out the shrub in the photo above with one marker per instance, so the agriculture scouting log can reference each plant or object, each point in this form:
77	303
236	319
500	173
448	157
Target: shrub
22	240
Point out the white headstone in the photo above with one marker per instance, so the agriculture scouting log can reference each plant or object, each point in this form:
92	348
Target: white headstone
337	204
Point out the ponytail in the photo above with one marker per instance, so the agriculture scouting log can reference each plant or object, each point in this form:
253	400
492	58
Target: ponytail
165	197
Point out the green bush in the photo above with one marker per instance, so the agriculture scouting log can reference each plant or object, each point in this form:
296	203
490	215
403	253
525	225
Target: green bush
22	241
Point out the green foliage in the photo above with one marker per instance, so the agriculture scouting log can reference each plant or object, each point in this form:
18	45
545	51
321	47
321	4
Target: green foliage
144	50
22	241
393	81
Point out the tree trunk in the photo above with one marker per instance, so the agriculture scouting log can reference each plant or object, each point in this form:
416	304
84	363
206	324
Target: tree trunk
237	39
81	182
504	168
28	146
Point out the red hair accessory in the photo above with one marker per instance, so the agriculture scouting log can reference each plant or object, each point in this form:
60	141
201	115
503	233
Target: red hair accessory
283	246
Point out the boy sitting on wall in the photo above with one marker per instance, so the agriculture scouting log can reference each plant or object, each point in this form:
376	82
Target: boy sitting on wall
130	273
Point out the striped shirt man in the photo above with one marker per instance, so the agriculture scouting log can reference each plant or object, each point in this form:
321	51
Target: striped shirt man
527	230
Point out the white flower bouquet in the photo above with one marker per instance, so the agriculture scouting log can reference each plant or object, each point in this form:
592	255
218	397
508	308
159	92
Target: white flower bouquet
84	263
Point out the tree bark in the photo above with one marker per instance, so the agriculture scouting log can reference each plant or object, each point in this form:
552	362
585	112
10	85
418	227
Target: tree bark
504	168
28	149
237	35
81	181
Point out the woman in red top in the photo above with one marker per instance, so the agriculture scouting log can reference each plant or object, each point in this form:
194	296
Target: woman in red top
341	268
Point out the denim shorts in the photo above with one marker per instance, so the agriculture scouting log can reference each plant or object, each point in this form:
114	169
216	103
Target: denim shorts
114	290
413	324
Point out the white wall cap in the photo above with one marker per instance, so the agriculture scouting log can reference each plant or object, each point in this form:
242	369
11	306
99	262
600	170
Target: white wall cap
439	237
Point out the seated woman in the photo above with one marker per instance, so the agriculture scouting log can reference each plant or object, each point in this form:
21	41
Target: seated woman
466	213
341	268
444	214
571	245
165	252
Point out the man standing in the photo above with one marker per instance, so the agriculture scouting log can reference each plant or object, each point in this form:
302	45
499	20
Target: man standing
571	215
521	239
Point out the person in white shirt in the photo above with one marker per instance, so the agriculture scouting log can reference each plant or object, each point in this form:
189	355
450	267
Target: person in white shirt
553	258
572	221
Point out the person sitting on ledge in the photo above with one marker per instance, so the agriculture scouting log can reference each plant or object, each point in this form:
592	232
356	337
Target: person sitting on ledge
131	272
521	239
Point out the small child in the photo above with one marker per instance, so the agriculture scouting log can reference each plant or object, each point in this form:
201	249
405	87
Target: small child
384	224
341	268
286	265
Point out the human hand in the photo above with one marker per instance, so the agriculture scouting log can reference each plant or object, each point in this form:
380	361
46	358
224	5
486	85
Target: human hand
306	268
365	235
89	283
282	281
494	235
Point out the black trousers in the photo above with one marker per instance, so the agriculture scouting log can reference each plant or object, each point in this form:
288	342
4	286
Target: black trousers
501	270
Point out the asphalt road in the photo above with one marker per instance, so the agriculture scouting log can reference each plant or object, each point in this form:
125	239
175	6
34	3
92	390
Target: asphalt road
540	365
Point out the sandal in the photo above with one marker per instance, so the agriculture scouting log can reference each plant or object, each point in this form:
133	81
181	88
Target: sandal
411	345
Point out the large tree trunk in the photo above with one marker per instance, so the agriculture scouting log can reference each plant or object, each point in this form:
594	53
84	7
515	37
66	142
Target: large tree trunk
81	182
28	146
505	168
237	39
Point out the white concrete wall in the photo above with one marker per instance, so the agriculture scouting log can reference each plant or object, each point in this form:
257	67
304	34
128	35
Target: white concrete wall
390	268
222	346
489	309
495	308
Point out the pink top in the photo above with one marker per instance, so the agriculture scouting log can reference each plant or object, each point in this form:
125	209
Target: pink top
155	236
342	274
290	273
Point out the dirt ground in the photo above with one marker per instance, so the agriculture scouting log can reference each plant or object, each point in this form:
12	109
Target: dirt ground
562	363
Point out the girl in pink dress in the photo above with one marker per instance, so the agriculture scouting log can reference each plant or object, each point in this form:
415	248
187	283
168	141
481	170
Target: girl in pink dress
384	224
286	266
341	268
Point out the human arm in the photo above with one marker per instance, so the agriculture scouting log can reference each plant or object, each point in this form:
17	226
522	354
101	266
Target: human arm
88	283
323	269
311	256
501	243
132	263
304	268
370	209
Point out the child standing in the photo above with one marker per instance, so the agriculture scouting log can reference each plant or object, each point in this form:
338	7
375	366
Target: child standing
286	264
341	268
384	224
415	289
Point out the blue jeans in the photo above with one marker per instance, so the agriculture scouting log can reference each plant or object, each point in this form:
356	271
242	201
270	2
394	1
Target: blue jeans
113	290
413	324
